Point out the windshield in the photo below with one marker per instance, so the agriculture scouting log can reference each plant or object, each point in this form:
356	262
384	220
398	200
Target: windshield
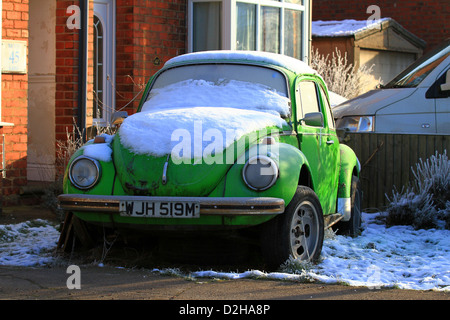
220	85
419	70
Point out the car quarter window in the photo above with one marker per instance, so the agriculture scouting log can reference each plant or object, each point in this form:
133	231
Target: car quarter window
308	101
326	106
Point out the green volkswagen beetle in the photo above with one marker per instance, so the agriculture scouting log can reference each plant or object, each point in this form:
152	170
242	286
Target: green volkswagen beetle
223	140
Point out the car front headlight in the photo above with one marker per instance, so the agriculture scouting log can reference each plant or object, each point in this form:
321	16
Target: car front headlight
356	124
260	173
84	172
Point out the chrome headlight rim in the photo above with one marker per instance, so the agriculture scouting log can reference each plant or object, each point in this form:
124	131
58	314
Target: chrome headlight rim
252	161
97	168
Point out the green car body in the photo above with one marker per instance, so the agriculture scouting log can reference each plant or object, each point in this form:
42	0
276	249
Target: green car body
304	151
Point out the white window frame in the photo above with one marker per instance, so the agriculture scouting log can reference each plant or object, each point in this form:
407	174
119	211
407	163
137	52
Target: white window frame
229	23
107	10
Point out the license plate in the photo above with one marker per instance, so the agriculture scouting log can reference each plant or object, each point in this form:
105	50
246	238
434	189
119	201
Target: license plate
159	209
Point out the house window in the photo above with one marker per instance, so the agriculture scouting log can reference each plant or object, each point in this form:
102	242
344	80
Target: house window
207	24
263	25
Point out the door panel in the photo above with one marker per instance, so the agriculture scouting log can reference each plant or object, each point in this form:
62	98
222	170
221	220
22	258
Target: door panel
319	144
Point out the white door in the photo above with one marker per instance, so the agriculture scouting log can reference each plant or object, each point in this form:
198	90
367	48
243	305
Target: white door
104	61
443	103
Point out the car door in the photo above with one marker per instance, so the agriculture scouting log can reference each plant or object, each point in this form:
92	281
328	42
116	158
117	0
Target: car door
440	93
312	141
329	152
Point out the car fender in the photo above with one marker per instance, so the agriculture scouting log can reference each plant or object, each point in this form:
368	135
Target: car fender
349	167
289	159
105	183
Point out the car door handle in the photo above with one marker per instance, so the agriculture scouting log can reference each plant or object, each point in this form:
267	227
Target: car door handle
330	141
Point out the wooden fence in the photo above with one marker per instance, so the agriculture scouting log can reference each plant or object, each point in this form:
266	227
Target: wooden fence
387	159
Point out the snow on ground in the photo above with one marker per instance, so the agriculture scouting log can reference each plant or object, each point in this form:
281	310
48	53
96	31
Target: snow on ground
381	257
28	243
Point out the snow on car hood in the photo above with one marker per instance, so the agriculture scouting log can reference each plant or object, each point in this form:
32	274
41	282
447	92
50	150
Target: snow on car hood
158	132
371	102
193	108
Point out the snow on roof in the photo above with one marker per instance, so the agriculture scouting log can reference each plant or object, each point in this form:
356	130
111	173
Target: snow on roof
287	62
335	28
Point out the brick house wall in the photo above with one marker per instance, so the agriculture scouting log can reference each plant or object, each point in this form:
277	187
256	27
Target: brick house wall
148	33
67	60
15	15
428	20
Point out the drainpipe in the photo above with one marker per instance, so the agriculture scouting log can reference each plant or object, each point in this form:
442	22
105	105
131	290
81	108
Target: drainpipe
310	31
82	68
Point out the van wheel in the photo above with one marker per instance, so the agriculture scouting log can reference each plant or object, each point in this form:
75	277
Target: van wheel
297	233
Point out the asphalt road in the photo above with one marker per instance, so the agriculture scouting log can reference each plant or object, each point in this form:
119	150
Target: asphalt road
112	283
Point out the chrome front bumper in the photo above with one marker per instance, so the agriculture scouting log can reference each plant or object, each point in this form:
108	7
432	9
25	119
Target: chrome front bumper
208	205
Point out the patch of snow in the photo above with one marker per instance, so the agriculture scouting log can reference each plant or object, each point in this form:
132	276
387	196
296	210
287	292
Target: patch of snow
99	151
28	243
287	62
380	257
338	28
227	94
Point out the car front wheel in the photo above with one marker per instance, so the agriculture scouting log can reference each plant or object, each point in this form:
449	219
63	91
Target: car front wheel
297	233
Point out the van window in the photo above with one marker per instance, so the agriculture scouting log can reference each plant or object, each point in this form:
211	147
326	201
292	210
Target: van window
419	70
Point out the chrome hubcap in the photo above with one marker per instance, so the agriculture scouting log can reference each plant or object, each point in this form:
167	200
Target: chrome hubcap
304	231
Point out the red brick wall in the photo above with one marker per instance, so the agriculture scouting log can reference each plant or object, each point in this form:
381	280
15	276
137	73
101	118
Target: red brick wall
14	104
429	20
148	34
66	70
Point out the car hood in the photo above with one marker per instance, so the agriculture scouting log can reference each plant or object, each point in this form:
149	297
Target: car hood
184	152
371	102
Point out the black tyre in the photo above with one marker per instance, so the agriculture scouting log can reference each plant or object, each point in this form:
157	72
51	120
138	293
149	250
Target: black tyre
297	233
353	226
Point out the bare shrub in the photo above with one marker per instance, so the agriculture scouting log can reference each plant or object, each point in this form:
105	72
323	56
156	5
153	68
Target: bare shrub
341	76
426	203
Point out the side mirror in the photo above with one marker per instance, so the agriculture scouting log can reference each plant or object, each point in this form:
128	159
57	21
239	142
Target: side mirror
446	86
118	117
314	119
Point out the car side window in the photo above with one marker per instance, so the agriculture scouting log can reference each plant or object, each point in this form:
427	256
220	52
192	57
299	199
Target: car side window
327	107
307	98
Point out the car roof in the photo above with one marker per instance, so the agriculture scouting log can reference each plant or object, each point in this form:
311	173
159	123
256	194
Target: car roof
292	64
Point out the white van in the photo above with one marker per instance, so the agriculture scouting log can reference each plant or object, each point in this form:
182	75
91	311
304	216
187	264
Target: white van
417	101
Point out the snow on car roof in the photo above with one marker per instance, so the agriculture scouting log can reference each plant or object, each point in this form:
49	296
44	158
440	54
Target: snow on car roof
287	62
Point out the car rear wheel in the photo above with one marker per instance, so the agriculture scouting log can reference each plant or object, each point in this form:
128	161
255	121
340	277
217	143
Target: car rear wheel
298	233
